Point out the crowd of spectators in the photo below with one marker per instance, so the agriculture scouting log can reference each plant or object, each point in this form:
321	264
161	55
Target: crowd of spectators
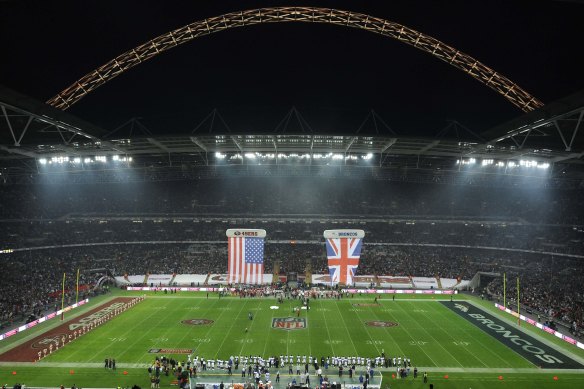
32	282
293	196
550	281
516	235
550	289
424	230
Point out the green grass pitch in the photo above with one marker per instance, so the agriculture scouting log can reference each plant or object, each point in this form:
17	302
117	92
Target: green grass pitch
436	340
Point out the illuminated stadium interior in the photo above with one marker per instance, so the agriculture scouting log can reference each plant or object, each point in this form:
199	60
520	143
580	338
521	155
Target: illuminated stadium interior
453	234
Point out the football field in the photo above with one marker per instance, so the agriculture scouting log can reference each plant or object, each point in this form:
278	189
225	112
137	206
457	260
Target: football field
460	344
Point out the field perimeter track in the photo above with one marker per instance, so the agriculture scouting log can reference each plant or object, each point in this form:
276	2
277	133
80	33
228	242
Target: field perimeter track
29	350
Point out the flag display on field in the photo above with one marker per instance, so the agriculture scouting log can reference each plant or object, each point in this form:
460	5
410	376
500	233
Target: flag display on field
245	255
343	250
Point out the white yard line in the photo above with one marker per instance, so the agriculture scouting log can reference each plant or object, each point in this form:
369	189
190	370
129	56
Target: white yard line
410	335
437	342
328	331
102	328
367	331
230	328
440	312
346	329
454	340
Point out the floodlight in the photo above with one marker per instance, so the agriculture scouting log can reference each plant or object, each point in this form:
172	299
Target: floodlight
43	161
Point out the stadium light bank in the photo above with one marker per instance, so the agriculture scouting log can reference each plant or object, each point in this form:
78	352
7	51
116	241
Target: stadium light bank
96	159
501	164
314	156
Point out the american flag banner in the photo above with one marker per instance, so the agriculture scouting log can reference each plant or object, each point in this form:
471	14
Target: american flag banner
245	249
343	250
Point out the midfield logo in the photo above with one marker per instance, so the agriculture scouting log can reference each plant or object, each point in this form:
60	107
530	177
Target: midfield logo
289	323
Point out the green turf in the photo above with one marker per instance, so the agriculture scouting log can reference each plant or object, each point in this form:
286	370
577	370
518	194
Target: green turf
430	334
334	328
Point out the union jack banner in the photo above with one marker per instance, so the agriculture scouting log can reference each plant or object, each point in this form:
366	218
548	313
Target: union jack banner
245	256
343	255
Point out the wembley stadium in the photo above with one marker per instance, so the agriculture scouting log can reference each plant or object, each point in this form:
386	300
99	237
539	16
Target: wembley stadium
214	207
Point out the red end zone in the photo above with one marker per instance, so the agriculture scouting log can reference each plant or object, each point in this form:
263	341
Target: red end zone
42	345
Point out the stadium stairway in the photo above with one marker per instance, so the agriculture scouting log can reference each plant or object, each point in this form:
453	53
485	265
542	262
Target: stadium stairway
172	279
438	281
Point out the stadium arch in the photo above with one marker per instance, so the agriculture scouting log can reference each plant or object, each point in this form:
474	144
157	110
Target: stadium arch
471	66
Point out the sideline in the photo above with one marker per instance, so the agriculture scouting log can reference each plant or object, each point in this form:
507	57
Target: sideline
563	350
99	365
8	344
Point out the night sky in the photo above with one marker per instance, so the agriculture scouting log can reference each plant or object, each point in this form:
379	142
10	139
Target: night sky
333	75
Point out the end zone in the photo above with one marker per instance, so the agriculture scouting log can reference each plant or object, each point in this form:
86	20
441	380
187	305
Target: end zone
55	338
524	344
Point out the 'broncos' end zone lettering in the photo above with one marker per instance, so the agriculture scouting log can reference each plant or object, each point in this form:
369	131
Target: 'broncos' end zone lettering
61	335
525	345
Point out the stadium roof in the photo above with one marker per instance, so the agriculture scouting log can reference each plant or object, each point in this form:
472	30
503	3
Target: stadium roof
31	129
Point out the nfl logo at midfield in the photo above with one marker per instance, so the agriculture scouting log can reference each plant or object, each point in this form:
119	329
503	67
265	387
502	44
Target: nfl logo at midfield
289	323
343	250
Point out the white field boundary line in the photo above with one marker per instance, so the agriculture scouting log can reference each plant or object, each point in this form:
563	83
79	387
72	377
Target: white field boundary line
123	335
535	334
438	297
72	336
50	316
389	370
50	324
542	327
